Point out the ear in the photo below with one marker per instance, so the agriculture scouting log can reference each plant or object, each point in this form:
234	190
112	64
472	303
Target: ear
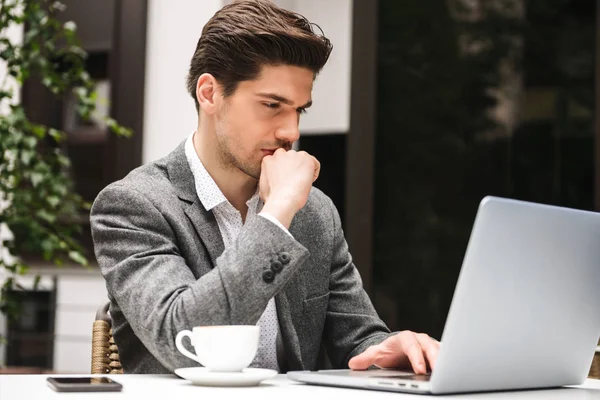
207	90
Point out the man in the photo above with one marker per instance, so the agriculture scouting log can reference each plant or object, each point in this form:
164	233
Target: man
227	229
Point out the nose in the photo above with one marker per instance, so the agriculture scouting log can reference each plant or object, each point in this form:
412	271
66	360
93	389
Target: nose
288	131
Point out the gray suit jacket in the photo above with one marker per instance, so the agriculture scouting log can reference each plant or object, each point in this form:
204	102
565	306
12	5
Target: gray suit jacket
166	270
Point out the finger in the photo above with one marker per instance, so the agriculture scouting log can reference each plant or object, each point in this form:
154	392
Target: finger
263	188
365	359
414	352
430	348
264	164
278	151
317	168
263	181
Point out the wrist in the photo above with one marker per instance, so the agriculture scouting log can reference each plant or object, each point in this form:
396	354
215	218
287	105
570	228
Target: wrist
283	211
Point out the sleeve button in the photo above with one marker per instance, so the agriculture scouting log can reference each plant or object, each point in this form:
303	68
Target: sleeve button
268	276
284	258
276	266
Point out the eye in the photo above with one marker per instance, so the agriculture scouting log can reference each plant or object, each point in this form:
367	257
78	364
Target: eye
301	110
272	106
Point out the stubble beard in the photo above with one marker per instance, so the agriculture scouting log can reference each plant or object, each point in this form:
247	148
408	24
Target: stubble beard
229	161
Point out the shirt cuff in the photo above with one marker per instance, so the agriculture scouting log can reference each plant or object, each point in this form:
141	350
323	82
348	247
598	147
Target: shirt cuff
275	221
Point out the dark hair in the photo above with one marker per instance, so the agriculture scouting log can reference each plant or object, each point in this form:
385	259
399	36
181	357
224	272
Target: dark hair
244	36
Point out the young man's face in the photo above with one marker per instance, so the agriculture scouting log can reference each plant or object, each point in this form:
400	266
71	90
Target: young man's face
261	116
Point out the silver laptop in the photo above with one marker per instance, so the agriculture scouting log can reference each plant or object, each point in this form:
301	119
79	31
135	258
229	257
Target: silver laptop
525	312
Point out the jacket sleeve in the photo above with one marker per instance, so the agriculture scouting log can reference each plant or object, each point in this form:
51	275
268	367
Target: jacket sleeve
157	292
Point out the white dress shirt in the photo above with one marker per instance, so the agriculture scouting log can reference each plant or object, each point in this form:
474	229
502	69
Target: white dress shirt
230	224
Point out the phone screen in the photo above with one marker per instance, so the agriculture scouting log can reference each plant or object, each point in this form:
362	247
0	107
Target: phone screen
86	384
84	381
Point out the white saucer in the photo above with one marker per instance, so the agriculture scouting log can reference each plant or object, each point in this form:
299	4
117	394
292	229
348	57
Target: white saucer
204	377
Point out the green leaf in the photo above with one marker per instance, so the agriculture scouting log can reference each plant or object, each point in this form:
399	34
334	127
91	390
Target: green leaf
56	134
78	257
30	142
39	131
118	129
36	178
60	188
63	160
46	216
47	246
31	34
27	156
53	200
15	135
47	81
22	269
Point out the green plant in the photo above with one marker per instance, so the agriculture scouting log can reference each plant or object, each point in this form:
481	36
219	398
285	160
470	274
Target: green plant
37	199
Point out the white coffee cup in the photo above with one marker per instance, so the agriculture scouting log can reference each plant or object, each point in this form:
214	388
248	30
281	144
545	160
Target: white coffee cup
226	348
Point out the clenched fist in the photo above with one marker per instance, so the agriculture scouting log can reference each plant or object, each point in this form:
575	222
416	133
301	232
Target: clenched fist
285	181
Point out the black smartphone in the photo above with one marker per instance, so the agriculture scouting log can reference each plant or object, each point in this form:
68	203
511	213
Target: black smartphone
85	384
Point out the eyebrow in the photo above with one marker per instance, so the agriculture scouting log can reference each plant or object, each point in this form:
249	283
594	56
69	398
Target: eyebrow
283	100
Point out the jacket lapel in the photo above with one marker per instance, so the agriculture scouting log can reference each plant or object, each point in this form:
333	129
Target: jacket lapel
207	228
203	221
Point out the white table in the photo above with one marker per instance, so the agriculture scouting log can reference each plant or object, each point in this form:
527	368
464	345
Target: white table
169	387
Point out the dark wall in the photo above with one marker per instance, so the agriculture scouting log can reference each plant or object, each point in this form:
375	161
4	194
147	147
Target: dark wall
330	150
438	152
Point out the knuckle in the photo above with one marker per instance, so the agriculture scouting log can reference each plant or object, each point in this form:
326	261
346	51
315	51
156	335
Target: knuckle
413	345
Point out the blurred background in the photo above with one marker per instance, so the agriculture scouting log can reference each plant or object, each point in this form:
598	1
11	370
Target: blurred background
425	107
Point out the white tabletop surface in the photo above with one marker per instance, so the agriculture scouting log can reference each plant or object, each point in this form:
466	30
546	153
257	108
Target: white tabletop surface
169	387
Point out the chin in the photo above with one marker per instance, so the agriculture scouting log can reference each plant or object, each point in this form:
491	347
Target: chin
256	174
252	172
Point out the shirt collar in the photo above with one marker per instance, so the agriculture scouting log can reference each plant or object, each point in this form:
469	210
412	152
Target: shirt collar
208	192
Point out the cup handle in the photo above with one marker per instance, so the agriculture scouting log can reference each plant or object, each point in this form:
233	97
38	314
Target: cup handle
182	349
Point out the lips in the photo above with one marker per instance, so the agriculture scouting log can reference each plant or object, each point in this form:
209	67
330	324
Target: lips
268	152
